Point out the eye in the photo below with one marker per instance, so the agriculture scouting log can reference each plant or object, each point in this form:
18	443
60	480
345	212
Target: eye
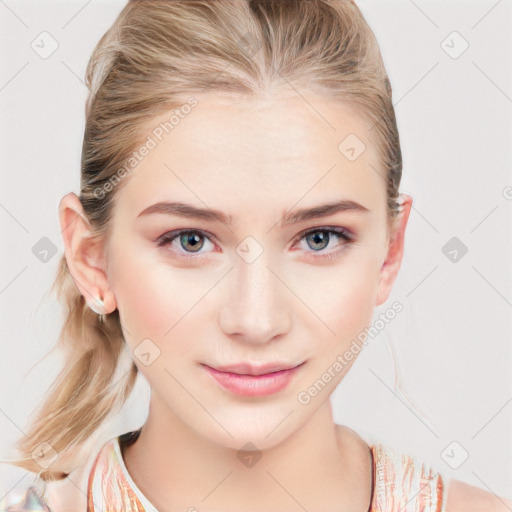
187	241
190	242
319	239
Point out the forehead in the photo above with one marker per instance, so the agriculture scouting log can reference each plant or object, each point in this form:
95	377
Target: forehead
278	148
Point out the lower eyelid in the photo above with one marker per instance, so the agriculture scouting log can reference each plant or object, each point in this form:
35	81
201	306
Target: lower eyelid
345	238
170	238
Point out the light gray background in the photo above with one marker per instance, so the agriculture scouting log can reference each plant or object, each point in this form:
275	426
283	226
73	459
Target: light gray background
452	340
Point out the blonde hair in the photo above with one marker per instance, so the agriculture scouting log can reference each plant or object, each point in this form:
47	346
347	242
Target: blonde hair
156	54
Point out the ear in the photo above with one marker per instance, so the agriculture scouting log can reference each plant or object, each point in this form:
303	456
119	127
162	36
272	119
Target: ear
84	255
391	265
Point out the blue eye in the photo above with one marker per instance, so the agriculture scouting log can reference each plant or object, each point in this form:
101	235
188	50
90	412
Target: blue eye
187	239
190	242
318	239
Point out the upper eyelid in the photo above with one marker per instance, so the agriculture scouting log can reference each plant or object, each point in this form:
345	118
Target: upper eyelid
338	230
304	232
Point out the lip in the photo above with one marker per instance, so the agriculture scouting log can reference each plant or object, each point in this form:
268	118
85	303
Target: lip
257	381
252	369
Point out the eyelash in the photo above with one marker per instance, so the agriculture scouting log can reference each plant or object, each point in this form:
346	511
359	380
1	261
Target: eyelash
168	238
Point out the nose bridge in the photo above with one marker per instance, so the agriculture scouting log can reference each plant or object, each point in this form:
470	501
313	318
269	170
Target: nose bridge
256	283
255	308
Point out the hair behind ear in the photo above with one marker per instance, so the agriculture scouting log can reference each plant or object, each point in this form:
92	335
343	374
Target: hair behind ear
93	384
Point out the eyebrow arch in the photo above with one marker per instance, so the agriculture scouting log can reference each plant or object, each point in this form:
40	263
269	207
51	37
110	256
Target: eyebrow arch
187	210
323	210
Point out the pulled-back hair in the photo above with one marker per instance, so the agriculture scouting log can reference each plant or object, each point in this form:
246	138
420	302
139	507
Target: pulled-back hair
154	58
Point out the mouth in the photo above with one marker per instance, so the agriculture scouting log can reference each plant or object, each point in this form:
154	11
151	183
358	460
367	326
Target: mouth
249	380
256	370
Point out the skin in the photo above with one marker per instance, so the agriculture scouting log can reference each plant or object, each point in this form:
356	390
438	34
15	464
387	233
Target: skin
254	159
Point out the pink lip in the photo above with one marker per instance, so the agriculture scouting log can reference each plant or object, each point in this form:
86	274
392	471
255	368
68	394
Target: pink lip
255	384
252	369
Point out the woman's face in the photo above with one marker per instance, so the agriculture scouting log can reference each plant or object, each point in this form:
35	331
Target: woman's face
258	288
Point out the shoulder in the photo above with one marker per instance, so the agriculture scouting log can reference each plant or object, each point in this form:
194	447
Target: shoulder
71	493
463	497
402	481
455	495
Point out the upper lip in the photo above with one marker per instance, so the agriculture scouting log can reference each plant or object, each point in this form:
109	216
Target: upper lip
255	369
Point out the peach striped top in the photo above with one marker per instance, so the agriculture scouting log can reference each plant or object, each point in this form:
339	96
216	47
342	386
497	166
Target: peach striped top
400	482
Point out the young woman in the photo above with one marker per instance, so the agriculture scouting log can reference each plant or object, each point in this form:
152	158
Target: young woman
238	221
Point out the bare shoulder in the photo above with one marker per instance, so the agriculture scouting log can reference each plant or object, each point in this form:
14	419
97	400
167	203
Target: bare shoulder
66	495
70	493
463	497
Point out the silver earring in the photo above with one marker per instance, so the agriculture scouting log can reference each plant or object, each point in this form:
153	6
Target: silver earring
96	305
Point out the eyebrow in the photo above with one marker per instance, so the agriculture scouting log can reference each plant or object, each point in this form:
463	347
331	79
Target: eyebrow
189	211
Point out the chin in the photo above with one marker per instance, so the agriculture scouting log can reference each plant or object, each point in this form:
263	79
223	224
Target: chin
263	428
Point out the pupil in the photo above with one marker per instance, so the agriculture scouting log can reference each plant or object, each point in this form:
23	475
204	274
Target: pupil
193	239
318	237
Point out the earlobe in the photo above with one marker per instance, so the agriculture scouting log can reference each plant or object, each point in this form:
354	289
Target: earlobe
393	260
84	255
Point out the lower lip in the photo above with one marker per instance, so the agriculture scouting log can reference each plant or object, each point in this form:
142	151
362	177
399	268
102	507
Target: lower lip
253	385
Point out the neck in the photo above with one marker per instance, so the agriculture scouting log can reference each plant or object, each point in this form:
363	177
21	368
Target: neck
176	468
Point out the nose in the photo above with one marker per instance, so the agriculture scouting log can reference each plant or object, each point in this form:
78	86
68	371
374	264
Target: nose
257	305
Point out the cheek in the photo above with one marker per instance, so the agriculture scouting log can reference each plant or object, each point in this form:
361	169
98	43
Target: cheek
345	299
149	299
159	302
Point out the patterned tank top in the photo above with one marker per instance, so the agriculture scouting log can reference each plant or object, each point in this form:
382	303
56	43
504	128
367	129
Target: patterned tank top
400	482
